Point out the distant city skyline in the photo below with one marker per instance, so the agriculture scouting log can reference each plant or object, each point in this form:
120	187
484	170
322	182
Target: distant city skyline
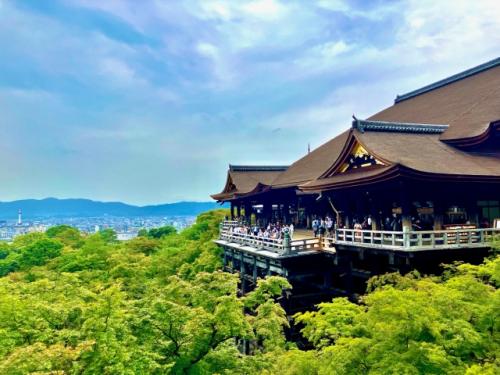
52	207
147	102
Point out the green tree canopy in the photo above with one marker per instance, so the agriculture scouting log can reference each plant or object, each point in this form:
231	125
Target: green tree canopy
66	234
160	232
163	305
108	235
39	252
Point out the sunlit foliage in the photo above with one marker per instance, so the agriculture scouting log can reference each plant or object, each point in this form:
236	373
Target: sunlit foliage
158	304
410	325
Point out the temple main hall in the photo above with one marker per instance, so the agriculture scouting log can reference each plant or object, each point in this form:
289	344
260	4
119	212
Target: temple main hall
410	187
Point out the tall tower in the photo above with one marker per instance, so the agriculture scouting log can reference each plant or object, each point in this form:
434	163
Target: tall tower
20	217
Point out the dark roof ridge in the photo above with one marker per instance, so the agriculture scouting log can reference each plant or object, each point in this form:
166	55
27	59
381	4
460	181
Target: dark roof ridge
446	81
257	168
399	127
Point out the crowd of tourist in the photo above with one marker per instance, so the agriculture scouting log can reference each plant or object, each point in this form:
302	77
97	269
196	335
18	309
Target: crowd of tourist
322	226
273	231
325	226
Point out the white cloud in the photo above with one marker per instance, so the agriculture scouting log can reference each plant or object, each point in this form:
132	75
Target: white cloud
455	32
118	71
323	57
265	9
217	10
226	10
30	95
219	65
334	5
207	66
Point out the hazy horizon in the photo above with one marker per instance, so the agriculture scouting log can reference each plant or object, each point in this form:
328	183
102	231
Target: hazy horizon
146	102
107	201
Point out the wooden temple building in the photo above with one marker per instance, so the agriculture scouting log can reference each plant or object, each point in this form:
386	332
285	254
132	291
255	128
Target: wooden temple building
429	163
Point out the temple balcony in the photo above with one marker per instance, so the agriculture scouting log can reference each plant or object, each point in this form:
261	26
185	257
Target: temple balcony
340	265
416	240
401	241
273	248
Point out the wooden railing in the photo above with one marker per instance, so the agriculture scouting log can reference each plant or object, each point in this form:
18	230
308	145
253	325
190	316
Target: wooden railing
275	245
227	224
415	240
305	244
391	240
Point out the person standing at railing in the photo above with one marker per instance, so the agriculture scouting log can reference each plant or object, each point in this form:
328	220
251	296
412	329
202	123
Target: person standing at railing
329	226
357	231
274	235
396	224
387	224
315	226
322	228
367	223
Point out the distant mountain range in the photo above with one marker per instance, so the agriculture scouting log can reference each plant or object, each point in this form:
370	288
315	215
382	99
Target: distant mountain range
53	207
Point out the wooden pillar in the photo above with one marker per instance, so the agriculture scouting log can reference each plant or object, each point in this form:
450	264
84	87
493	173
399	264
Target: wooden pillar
406	222
438	215
248	212
349	212
242	274
348	274
267	211
360	207
405	215
232	210
286	211
375	215
327	280
473	212
347	221
406	265
254	273
405	209
390	258
238	210
297	212
232	260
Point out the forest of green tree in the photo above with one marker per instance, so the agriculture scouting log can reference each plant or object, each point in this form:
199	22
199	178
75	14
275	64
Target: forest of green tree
160	304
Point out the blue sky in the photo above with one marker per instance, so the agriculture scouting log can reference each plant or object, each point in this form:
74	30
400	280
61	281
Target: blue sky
148	101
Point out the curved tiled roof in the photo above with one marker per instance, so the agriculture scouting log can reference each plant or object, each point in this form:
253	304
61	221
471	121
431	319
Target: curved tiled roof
243	180
427	153
313	164
420	153
414	136
461	106
467	105
446	81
